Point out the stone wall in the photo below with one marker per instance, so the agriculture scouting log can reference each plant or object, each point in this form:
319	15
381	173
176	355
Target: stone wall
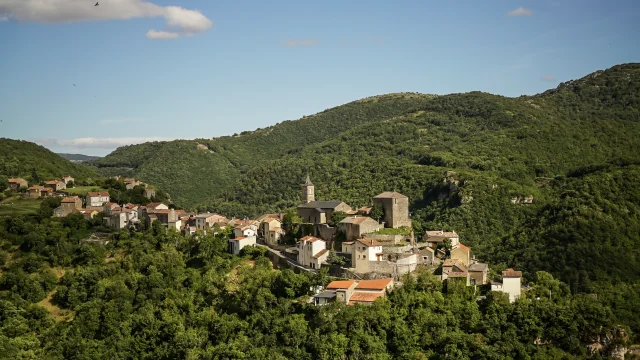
395	239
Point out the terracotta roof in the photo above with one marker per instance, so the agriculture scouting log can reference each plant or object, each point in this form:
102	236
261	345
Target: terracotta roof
368	242
36	187
457	274
98	193
356	220
310	238
390	194
320	253
46	189
52	182
348	242
365	209
464	247
450	262
69	199
352	212
111	204
379	284
15	180
359	296
239	238
340	284
511	273
274	229
154	204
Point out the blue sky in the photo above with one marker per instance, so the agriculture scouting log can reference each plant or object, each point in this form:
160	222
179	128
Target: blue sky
257	63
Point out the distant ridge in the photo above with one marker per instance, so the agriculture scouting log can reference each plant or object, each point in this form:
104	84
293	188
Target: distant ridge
75	158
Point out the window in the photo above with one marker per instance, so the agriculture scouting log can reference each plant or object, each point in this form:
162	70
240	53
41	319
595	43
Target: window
364	256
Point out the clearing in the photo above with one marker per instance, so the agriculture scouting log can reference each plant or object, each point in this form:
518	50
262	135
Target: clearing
16	206
82	190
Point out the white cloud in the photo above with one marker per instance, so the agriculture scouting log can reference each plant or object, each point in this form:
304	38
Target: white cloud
100	143
548	78
161	35
520	12
187	22
294	42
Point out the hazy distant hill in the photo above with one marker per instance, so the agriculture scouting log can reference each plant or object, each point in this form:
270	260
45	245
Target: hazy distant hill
78	157
29	160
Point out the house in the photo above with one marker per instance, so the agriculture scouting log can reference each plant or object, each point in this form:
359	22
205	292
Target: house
426	256
16	183
67	206
347	246
110	207
167	216
56	185
363	252
478	273
149	193
46	192
396	209
97	198
121	219
130	183
34	192
273	235
436	237
364	211
511	284
312	252
319	212
453	265
271	228
353	292
67	179
207	220
462	253
89	214
236	244
355	226
245	231
157	206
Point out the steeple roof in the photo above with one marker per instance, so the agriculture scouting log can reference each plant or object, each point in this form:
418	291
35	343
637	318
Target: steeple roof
308	182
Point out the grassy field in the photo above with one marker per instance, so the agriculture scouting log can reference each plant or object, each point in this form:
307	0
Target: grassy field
19	206
82	190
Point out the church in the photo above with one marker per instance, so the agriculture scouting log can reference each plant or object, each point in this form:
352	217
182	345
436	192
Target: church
317	212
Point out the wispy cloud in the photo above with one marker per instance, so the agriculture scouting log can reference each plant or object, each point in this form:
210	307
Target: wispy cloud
548	78
185	22
162	35
294	42
520	12
100	143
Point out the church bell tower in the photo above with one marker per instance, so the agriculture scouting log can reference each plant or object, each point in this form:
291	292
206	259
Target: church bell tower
308	192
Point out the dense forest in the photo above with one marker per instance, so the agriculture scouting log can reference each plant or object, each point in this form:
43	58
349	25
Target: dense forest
159	295
35	163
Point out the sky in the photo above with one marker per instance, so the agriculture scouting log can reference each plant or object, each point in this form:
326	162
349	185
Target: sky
80	78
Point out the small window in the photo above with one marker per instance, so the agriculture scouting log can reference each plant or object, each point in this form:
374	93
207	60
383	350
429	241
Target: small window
364	256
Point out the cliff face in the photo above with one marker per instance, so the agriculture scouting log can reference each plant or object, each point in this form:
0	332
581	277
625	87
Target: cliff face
612	344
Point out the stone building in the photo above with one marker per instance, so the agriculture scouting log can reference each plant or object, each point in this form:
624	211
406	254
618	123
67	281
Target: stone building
355	226
308	191
396	209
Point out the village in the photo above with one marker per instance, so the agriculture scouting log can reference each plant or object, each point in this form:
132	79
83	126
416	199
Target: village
374	254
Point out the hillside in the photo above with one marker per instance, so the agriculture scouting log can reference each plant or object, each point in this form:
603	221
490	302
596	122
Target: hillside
78	157
36	163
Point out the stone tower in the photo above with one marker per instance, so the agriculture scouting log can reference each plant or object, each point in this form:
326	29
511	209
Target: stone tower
308	192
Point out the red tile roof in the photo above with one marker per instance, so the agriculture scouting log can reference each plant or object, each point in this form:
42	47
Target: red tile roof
15	180
356	220
340	284
310	238
320	253
100	193
70	199
366	297
239	238
464	247
368	242
379	284
511	273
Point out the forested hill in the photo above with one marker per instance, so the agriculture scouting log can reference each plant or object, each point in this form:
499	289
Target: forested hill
78	157
36	163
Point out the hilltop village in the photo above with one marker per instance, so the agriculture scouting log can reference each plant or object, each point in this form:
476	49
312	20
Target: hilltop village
374	246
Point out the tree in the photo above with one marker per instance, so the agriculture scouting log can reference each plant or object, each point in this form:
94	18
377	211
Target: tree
338	216
71	184
377	212
334	259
